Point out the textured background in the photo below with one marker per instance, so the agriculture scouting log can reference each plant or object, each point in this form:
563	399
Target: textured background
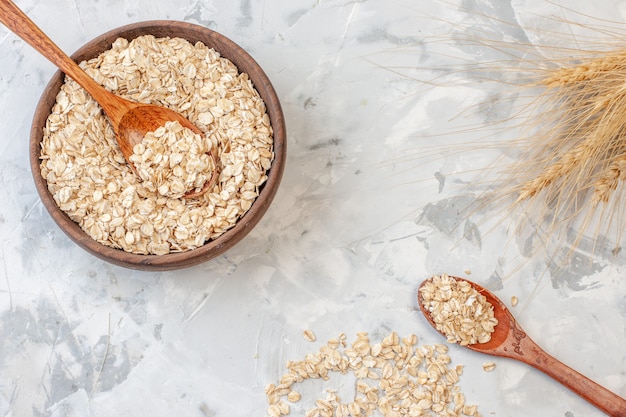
369	206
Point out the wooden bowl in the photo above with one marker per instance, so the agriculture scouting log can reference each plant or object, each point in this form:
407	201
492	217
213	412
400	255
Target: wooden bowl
245	63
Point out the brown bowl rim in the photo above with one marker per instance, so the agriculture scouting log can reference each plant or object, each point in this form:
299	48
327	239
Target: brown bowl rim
213	248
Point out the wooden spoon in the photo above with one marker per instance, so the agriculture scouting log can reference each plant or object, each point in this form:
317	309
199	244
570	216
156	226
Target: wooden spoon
510	341
130	120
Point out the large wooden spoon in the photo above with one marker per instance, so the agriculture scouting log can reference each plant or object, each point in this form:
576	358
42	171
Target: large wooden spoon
510	341
130	120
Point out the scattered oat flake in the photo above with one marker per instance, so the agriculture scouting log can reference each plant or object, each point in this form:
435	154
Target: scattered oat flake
489	366
309	336
293	396
514	301
393	377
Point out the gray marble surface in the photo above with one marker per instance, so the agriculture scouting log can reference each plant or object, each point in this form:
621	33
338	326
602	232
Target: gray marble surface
368	208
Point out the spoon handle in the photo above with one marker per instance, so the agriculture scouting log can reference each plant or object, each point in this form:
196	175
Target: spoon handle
20	24
605	400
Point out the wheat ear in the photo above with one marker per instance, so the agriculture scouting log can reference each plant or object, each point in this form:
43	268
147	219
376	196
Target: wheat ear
559	169
571	75
609	180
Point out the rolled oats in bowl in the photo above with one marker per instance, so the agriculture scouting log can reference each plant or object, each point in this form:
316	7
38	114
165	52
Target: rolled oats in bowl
90	180
82	175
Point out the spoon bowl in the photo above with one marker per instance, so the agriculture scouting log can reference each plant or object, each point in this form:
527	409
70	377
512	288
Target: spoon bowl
138	119
509	340
507	328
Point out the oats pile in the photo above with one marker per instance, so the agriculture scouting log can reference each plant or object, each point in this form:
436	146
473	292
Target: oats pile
395	377
458	310
173	160
90	180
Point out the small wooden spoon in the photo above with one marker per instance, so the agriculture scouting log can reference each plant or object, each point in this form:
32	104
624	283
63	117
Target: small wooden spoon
130	120
510	341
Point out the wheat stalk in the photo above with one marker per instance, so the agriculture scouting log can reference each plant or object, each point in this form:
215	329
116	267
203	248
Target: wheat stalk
575	152
571	125
580	150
